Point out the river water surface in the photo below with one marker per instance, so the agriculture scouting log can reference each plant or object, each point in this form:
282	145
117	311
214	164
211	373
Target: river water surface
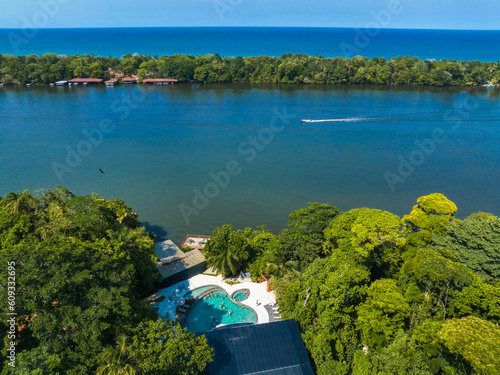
160	148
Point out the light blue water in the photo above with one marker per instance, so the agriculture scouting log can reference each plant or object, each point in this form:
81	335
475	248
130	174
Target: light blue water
210	311
240	295
167	140
196	292
255	41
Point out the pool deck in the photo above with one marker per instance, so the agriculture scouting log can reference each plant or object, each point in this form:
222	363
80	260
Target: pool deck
257	293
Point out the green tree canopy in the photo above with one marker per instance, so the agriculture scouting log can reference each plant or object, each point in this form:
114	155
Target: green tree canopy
323	303
302	241
81	277
118	360
432	214
370	236
164	348
475	243
228	251
476	340
383	313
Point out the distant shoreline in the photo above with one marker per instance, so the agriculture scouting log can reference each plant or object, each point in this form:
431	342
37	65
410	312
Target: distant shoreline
286	69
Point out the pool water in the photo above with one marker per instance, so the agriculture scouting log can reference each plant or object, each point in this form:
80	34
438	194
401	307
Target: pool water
196	292
211	311
240	295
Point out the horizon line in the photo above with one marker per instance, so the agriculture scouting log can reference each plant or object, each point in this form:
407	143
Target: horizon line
278	27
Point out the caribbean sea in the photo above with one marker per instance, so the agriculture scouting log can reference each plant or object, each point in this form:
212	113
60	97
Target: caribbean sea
254	41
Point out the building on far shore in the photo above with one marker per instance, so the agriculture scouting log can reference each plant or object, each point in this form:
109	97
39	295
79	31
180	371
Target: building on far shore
112	82
129	80
175	265
160	81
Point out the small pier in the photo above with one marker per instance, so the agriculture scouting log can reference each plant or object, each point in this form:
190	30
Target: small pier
195	241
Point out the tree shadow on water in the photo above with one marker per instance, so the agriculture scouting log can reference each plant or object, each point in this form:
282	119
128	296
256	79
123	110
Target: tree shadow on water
161	233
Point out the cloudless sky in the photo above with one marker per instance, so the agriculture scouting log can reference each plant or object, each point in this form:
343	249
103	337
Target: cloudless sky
427	14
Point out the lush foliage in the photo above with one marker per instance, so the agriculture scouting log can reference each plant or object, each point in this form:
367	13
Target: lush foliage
228	251
164	348
83	267
118	360
372	293
380	295
476	340
475	243
288	68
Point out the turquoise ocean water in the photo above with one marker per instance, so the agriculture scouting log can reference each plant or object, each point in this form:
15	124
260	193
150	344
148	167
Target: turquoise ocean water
254	41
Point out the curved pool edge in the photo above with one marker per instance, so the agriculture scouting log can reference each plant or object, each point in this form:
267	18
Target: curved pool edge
186	318
257	293
244	290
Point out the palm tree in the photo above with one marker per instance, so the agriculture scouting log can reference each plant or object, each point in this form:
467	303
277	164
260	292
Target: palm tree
21	204
121	215
126	240
278	264
222	251
54	220
118	360
226	261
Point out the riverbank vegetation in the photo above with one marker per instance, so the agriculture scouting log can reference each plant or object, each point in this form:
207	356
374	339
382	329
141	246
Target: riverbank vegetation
377	294
80	268
288	68
372	293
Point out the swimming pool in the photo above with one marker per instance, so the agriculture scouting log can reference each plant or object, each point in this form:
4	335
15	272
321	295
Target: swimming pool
215	309
196	292
240	295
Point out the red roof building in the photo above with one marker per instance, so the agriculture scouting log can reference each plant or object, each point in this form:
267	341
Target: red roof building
112	82
132	79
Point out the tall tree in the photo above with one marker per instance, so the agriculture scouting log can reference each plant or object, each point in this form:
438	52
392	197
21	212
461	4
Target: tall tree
118	360
164	348
371	237
228	251
432	214
475	243
383	313
476	340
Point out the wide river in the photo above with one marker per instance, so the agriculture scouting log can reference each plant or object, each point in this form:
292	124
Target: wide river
189	158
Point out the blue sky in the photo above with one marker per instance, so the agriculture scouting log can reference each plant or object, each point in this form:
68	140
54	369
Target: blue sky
432	14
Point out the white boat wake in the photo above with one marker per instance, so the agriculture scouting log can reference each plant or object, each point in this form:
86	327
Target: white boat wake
348	119
415	116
